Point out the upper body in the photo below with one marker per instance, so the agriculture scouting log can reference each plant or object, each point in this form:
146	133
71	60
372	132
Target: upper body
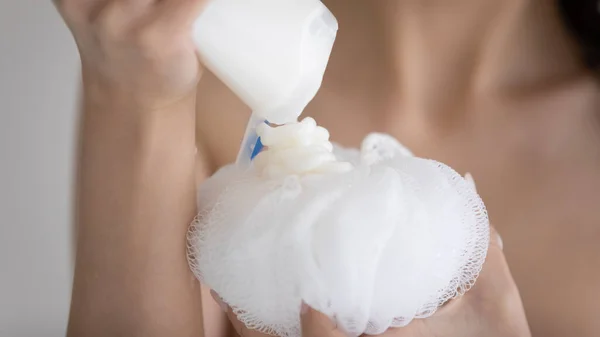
484	88
495	88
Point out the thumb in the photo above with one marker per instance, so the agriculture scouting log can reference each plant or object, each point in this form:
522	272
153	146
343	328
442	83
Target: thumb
495	280
316	324
178	14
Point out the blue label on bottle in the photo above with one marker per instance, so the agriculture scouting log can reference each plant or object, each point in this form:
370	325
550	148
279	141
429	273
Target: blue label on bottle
257	147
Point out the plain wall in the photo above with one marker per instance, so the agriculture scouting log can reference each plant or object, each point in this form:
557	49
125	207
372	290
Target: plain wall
38	98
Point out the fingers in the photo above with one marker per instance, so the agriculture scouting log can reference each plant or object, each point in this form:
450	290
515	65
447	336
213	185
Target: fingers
82	12
496	239
471	181
75	12
496	291
313	323
219	301
168	14
178	14
495	279
316	324
495	265
239	327
494	261
119	16
149	22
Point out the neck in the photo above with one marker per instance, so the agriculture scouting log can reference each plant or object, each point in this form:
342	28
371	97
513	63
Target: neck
436	55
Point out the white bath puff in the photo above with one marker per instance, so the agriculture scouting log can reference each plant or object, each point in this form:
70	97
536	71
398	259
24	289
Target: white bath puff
373	238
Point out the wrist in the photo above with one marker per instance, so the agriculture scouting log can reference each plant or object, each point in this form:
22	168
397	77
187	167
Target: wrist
114	119
102	92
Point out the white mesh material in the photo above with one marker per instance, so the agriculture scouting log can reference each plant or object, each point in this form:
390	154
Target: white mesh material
376	247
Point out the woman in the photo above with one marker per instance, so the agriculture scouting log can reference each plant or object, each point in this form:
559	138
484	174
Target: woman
501	89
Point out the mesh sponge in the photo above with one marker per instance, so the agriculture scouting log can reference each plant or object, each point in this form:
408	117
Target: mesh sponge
375	247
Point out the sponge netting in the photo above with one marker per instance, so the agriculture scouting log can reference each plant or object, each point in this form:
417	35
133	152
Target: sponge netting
387	242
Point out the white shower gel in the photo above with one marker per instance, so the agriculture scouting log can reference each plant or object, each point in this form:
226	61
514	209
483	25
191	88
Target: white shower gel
297	148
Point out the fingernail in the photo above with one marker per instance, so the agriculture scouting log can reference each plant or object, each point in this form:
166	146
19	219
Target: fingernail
471	181
304	308
500	242
333	321
219	301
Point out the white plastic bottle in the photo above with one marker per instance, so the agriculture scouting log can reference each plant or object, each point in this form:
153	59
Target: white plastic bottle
271	53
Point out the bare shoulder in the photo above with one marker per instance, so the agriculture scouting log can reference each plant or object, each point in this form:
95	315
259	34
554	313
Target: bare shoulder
581	92
549	217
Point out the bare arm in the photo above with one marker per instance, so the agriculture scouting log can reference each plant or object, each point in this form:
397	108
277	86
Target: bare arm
136	182
136	199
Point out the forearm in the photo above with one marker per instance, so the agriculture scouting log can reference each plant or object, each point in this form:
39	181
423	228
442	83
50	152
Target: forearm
136	198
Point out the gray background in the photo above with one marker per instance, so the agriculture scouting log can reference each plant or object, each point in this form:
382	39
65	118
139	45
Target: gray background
38	98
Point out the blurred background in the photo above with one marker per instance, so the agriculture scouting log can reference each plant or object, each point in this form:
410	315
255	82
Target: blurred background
38	98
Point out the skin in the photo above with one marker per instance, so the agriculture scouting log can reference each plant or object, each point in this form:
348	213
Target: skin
136	169
493	105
